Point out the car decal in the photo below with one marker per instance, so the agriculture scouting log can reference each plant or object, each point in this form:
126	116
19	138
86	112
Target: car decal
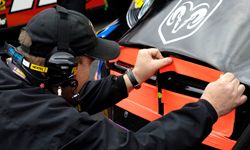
185	19
2	5
3	21
20	5
138	3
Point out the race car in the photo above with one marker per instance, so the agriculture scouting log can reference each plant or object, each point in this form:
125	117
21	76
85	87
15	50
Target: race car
205	38
16	13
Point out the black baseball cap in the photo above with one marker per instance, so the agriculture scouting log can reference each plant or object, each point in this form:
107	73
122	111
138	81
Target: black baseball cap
43	30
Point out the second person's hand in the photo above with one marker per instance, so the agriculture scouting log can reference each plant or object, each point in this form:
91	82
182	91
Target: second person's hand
225	94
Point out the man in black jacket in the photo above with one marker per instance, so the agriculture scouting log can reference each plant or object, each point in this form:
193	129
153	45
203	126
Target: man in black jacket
52	64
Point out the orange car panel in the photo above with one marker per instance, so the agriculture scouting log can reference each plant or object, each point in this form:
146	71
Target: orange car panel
143	102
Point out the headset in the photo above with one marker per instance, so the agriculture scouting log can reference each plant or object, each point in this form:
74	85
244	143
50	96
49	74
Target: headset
60	63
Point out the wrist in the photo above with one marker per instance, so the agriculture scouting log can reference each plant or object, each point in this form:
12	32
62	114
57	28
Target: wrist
211	109
133	79
212	104
137	76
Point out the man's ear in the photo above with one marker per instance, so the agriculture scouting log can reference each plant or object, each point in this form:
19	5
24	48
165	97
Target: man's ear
24	38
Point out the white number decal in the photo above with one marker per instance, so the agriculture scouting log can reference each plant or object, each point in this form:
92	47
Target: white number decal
46	2
19	5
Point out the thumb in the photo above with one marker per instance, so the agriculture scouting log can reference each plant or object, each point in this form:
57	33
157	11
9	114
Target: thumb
159	63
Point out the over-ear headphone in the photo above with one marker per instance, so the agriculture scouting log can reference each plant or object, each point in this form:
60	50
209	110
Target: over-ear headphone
61	61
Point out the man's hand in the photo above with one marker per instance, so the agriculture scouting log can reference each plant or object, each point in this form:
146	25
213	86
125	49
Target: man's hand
148	62
225	94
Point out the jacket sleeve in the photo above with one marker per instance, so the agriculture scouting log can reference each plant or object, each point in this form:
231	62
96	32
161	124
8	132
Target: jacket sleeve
32	118
101	94
180	130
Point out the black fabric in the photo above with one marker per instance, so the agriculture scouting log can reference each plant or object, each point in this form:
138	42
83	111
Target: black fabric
98	95
243	141
63	37
43	30
76	5
211	110
34	119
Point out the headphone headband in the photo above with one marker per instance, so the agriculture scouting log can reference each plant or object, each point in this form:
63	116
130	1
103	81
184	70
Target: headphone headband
61	60
63	29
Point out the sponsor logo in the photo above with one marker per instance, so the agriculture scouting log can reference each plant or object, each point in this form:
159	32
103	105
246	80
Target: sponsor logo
139	3
19	73
2	5
38	68
185	19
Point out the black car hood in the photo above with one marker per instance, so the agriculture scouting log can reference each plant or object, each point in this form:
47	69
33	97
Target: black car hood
216	32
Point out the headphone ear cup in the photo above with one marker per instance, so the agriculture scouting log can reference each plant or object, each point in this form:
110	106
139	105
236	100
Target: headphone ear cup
60	64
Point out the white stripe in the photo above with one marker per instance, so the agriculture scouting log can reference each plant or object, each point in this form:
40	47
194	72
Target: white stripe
46	2
26	63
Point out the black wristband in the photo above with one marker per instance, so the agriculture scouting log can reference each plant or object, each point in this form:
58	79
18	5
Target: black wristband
132	79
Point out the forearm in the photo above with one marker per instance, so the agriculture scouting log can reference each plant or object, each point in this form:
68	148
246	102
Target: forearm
180	130
101	94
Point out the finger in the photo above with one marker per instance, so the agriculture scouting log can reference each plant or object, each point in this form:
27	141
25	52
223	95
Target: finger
159	63
155	53
228	77
242	100
236	83
241	89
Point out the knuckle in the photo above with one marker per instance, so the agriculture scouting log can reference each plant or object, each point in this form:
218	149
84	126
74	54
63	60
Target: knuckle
230	74
228	87
236	80
212	84
237	103
234	93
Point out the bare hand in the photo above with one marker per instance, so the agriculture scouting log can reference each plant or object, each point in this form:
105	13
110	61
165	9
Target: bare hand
148	62
225	94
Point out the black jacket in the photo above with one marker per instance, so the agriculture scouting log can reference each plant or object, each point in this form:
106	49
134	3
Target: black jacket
31	118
